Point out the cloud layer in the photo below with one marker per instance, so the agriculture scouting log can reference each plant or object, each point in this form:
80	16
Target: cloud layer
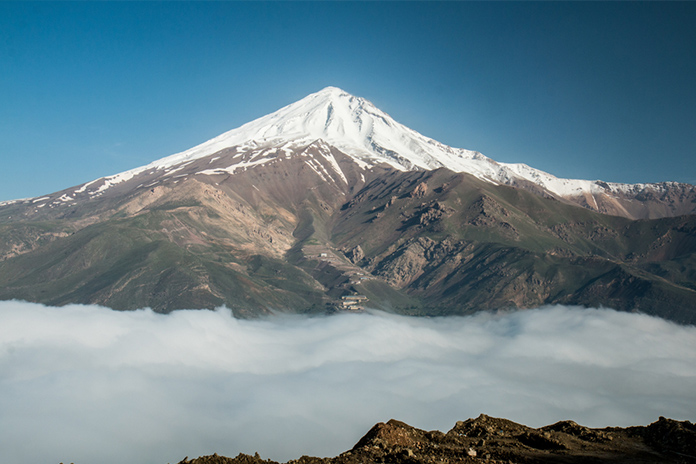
87	384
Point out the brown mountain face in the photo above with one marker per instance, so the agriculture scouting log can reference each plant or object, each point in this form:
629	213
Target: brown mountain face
667	199
450	239
493	440
637	201
263	229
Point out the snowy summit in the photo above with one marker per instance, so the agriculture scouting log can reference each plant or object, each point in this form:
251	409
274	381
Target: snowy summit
351	124
368	134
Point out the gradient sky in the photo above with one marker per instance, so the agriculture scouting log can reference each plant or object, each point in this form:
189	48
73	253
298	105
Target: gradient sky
592	90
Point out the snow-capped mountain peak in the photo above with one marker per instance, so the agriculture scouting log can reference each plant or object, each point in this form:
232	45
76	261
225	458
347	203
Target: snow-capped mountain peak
370	137
359	129
351	124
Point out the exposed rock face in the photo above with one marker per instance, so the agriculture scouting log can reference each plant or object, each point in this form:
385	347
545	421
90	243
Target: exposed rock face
420	190
419	256
493	440
407	263
356	254
667	435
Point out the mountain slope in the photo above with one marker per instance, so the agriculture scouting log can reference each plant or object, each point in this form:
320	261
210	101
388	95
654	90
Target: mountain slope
298	233
461	244
183	243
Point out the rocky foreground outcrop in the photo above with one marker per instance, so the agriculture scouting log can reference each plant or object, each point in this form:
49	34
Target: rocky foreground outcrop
493	440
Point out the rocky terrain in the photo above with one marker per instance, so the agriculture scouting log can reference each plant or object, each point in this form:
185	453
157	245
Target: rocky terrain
419	242
493	440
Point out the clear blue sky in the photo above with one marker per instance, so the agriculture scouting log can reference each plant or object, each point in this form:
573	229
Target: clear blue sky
594	90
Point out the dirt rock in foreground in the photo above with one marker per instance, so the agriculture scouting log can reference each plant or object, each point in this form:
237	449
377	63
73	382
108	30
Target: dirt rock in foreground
493	440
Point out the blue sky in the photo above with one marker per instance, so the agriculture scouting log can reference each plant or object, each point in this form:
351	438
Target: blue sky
594	90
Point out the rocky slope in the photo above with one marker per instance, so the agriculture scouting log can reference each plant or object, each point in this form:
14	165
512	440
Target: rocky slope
493	440
449	240
298	233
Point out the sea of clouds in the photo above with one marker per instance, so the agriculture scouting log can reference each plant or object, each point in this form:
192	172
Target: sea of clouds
85	384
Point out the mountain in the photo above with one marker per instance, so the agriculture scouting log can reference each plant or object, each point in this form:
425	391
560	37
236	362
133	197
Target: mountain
496	440
371	137
330	197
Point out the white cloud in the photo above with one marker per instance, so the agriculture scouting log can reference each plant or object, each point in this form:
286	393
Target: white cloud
87	384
